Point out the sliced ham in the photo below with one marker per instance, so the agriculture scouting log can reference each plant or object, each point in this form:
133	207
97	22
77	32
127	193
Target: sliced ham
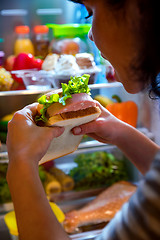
78	101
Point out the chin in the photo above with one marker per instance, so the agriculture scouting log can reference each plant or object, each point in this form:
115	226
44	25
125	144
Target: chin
132	85
134	88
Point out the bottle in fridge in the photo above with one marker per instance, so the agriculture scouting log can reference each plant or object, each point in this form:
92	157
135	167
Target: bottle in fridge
41	41
23	43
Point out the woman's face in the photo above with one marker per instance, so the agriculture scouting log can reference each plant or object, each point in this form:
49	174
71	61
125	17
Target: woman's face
113	32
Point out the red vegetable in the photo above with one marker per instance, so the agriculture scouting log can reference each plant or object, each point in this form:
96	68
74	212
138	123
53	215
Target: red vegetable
37	63
26	61
9	62
23	61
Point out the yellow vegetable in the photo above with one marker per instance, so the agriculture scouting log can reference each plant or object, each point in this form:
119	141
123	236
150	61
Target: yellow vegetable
67	183
11	223
57	211
52	185
6	80
103	100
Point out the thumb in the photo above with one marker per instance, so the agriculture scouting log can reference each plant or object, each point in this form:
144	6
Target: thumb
86	128
53	132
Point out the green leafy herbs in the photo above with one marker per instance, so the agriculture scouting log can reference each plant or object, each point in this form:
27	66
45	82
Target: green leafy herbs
75	85
97	169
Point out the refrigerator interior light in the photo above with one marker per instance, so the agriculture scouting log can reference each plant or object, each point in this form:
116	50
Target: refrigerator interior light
49	11
14	12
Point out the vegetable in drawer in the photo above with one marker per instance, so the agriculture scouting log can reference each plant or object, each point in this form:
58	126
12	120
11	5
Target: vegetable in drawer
97	169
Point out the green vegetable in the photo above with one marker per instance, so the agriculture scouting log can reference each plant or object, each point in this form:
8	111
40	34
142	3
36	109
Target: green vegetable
97	169
75	85
5	195
4	189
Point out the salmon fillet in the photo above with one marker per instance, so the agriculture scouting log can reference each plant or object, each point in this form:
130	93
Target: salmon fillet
102	208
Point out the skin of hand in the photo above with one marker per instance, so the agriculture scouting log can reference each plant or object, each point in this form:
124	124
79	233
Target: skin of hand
27	139
108	129
103	129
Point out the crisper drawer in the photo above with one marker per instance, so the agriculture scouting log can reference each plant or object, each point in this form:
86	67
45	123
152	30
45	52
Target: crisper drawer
74	200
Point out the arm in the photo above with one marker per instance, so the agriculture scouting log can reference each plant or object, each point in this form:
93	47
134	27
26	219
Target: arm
26	144
135	145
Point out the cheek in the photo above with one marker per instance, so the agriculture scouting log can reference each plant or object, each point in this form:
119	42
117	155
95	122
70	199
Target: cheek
99	32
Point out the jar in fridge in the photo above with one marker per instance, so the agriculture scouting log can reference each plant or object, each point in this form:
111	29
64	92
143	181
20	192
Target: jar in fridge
23	43
41	41
69	38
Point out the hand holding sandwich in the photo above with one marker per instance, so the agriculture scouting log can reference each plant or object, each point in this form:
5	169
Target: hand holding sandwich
108	129
25	139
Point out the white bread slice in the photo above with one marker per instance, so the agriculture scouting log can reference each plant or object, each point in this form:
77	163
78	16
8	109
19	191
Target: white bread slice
67	142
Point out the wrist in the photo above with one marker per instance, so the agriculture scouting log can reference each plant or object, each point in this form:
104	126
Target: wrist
120	132
19	167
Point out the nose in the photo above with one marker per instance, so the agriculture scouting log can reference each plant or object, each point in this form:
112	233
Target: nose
90	34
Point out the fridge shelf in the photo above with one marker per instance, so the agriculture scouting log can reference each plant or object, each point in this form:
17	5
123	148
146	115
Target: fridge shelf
83	147
30	92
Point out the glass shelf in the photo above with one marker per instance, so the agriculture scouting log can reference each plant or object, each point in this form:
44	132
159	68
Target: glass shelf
30	92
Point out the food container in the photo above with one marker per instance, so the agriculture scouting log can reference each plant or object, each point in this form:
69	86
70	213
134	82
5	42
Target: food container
64	78
68	65
36	80
69	38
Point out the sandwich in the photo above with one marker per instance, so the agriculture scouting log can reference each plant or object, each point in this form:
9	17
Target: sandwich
67	107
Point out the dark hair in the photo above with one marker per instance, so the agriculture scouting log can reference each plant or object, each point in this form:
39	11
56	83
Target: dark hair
147	64
76	1
149	59
154	91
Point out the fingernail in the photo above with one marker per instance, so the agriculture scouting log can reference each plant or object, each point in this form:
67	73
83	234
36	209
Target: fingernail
77	130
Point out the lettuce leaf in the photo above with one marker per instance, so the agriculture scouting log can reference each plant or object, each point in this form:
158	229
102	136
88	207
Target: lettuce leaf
75	85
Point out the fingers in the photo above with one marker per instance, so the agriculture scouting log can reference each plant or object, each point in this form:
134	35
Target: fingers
98	138
28	111
90	127
80	130
56	131
31	109
100	106
32	106
26	115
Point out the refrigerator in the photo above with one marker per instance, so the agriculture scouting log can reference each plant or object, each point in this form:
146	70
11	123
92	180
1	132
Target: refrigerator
38	12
